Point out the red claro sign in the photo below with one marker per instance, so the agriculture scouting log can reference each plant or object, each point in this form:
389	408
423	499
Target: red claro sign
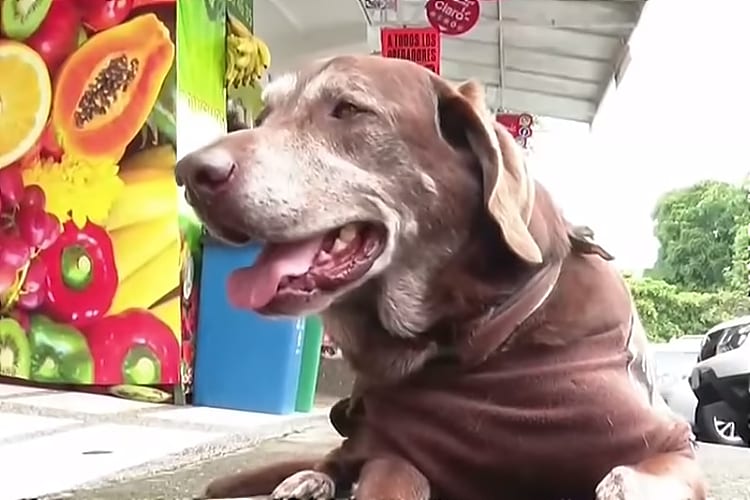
518	125
452	17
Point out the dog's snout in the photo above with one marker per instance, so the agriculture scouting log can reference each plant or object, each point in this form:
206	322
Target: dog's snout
205	171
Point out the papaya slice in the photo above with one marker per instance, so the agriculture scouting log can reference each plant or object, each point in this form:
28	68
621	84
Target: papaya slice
106	89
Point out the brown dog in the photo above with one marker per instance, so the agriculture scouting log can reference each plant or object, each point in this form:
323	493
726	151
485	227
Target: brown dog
497	352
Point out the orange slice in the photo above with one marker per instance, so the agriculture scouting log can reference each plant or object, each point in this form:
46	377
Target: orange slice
25	100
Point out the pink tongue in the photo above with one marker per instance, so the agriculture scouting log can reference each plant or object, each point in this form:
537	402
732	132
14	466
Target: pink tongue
254	287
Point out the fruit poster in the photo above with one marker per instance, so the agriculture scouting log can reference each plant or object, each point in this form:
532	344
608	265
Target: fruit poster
91	252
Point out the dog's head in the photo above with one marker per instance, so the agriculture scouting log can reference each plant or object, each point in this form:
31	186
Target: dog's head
363	175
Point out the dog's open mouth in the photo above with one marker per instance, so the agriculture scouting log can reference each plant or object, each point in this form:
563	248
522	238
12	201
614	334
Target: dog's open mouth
292	274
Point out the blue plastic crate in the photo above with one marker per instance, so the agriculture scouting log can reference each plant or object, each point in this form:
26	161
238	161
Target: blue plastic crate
243	361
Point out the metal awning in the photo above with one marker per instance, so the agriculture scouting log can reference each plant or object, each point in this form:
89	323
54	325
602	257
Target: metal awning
298	30
554	58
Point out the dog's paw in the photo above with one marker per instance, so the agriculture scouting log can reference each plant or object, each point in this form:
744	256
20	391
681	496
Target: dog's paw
626	483
305	485
617	485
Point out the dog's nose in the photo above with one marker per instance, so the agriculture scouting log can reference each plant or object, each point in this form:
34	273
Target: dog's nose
205	171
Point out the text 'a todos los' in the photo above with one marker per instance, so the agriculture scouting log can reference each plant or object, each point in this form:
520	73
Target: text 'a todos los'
419	45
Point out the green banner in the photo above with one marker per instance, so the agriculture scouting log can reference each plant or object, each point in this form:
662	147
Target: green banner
201	48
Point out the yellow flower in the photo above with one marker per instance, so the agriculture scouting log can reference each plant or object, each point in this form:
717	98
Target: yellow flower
76	190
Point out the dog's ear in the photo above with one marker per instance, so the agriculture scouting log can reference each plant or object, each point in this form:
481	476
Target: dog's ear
508	191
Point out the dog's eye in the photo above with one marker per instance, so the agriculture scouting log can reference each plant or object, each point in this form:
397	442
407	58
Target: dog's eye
345	109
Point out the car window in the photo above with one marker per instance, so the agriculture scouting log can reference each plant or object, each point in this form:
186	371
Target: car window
717	333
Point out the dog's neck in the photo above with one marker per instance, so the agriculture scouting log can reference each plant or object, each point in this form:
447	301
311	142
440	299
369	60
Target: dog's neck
479	278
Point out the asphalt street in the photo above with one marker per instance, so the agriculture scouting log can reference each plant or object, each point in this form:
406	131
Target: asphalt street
727	468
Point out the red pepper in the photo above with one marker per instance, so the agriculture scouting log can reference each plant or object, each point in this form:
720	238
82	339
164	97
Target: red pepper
81	275
137	4
133	347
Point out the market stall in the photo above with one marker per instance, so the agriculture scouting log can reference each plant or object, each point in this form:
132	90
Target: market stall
99	262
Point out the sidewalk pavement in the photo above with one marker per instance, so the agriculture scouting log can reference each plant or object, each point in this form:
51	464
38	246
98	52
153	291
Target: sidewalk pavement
102	448
51	441
726	468
189	482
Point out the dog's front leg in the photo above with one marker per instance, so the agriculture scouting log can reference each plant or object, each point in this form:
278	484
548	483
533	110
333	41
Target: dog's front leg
391	478
312	479
669	476
258	481
320	482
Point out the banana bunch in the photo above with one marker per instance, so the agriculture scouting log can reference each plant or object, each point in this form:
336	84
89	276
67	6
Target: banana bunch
144	230
139	243
248	57
149	190
150	282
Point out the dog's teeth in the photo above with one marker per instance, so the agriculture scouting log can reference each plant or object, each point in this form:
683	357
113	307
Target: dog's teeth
323	257
347	233
339	245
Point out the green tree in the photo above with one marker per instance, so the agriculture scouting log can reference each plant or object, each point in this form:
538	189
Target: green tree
738	275
667	312
697	228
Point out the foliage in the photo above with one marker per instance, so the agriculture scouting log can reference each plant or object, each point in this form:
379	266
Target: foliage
738	275
667	311
697	228
702	274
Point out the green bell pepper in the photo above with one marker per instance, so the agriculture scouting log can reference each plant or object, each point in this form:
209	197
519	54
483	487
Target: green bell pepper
59	353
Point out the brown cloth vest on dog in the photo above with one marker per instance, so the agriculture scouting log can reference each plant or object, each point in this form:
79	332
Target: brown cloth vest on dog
538	411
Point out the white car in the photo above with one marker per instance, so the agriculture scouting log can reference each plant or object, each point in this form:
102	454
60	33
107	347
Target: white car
674	363
722	376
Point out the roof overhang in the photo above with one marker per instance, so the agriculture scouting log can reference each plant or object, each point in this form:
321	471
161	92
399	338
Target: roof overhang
554	58
298	30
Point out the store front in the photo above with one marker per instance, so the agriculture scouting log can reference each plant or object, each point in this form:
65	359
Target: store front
101	261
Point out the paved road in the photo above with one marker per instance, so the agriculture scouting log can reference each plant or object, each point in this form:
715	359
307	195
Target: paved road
728	470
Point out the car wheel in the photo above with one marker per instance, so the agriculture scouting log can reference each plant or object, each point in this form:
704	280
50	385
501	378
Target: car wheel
715	423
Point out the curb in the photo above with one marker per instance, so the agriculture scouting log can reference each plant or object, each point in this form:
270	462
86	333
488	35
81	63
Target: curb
225	445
